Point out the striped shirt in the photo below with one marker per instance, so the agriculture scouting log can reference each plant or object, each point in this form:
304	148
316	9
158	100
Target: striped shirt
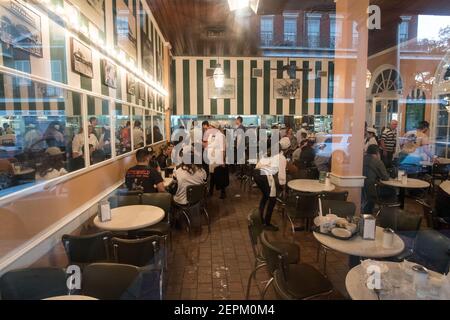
390	139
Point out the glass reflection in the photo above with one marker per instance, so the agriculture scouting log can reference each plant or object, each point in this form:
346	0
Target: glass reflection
123	129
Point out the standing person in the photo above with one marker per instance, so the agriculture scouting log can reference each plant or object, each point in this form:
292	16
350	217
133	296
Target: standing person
33	138
371	138
388	143
93	121
142	177
53	136
423	141
138	135
270	177
125	137
374	171
239	137
302	133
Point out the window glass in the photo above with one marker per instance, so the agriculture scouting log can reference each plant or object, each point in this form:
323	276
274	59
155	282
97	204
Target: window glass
138	131
313	31
148	127
99	129
123	128
38	124
290	31
266	31
158	127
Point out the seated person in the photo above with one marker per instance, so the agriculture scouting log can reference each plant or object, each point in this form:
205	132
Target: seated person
187	175
165	157
307	154
374	171
53	166
142	177
322	159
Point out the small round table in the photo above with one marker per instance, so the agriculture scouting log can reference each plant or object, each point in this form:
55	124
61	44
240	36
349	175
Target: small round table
411	184
402	284
128	218
307	185
72	297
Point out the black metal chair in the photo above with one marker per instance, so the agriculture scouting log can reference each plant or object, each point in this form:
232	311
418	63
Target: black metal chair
342	209
138	252
192	211
112	281
341	195
292	281
82	250
432	250
301	205
33	284
163	229
385	197
439	172
125	200
255	228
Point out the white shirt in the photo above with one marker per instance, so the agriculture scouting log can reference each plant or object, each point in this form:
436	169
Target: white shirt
270	167
215	147
185	179
78	142
369	142
52	174
138	136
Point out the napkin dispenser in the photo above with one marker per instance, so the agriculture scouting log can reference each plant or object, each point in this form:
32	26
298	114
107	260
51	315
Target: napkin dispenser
104	212
367	227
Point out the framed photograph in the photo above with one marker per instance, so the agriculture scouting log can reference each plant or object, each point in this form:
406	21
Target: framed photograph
126	29
109	74
148	61
151	98
81	56
141	87
20	27
131	84
285	88
94	10
227	92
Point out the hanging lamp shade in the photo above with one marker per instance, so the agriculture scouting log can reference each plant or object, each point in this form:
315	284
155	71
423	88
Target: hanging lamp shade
219	77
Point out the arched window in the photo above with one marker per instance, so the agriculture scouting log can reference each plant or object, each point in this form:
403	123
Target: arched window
387	81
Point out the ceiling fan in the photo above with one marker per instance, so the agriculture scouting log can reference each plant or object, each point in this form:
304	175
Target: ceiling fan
290	69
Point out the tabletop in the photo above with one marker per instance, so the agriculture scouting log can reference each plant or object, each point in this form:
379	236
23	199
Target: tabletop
307	185
411	184
71	297
128	218
397	283
359	247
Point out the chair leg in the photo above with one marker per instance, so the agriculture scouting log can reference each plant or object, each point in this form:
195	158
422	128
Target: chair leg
266	288
207	220
253	276
292	226
187	220
325	252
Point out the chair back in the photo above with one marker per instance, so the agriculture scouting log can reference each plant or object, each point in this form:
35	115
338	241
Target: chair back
341	196
137	252
305	203
195	193
161	200
108	281
88	248
255	228
342	209
399	220
273	257
124	200
433	250
33	284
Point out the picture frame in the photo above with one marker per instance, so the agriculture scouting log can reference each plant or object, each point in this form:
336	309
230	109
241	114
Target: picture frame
26	25
94	10
126	28
81	57
227	92
282	88
141	87
109	74
131	84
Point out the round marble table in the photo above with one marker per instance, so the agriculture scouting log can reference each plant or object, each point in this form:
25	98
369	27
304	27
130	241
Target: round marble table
128	218
400	284
307	185
411	184
72	297
359	247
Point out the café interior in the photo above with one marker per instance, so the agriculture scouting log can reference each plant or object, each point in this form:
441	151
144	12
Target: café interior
353	94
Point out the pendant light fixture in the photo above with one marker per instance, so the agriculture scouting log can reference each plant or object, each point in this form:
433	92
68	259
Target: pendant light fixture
242	4
219	76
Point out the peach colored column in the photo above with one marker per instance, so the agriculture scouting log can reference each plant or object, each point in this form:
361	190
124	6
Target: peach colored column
350	99
166	82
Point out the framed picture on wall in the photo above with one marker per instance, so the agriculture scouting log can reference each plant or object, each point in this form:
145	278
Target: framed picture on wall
148	60
20	27
126	27
141	87
227	92
94	10
81	56
109	74
286	88
131	84
151	99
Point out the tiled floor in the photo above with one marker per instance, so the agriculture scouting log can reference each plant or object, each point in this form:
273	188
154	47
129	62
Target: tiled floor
217	265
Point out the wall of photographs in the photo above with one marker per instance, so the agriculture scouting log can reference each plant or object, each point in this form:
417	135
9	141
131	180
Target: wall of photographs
90	109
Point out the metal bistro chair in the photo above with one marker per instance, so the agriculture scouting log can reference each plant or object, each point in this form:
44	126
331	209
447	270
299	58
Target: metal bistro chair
301	205
341	195
33	284
138	252
255	229
82	250
292	281
385	199
125	200
196	196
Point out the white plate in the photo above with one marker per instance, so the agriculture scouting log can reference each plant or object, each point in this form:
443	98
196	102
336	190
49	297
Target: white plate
341	233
